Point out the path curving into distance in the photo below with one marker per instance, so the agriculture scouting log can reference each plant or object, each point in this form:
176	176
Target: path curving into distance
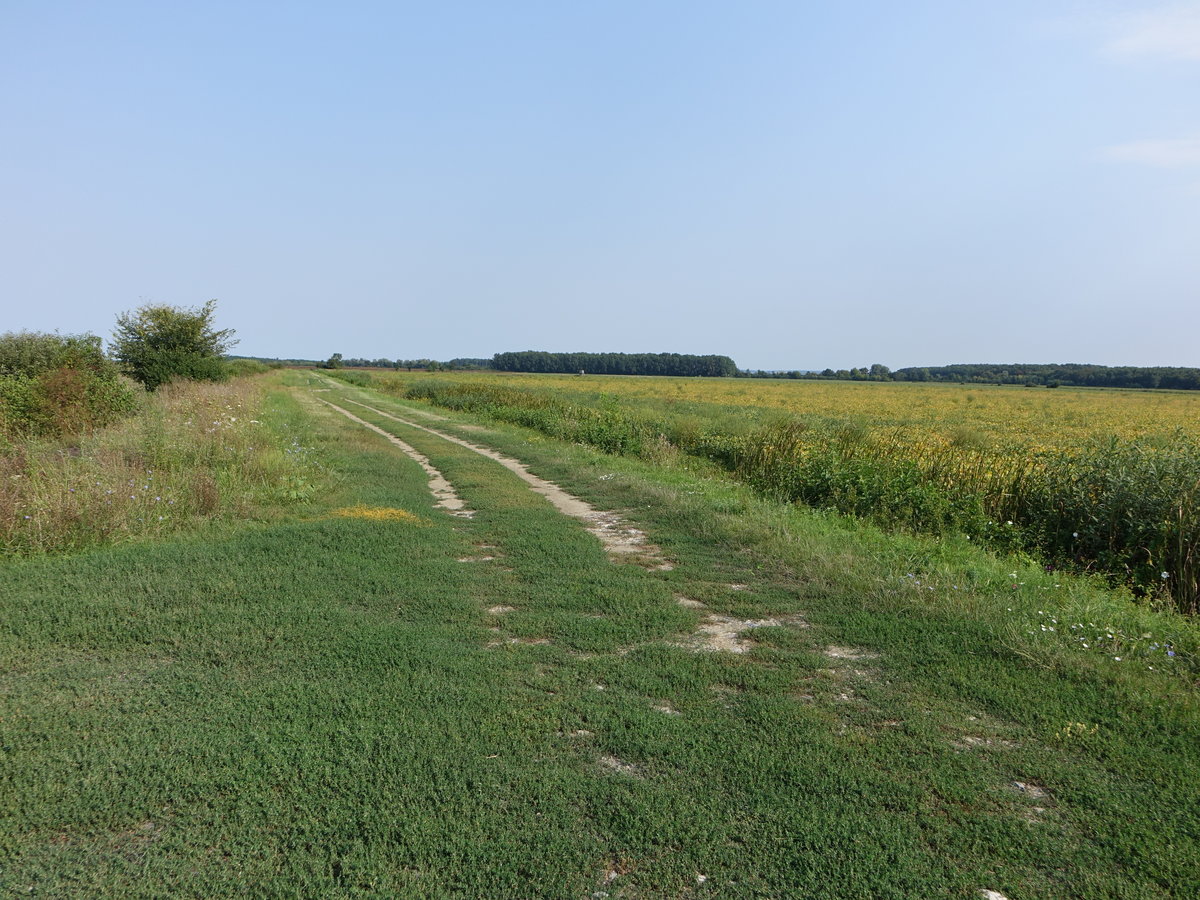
443	491
619	538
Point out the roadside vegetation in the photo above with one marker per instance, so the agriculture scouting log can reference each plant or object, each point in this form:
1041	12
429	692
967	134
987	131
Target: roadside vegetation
52	384
195	452
90	456
1092	483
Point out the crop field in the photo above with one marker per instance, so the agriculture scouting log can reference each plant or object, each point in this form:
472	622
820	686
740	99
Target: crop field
407	650
1100	481
1035	418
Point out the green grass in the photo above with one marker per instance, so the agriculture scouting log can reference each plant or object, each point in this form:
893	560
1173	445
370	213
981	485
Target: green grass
312	707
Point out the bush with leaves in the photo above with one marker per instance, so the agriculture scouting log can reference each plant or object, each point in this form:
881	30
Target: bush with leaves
157	343
58	384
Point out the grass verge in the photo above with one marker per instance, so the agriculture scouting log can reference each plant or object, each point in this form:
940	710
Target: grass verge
195	453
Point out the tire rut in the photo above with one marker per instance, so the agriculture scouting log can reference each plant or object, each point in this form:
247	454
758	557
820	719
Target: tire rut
443	491
619	539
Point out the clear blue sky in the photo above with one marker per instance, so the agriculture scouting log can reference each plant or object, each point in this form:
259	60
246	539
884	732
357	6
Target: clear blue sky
798	185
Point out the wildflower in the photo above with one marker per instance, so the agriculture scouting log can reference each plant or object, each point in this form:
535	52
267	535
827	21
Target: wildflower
1074	534
1166	575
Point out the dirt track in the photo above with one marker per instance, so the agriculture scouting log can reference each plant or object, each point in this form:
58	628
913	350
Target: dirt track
617	536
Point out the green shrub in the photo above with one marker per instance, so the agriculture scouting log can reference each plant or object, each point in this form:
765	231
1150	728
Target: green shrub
58	384
157	343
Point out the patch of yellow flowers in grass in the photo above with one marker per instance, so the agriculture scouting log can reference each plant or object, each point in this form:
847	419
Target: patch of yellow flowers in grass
378	514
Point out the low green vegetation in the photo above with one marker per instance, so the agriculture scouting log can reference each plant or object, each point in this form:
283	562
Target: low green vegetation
240	366
375	698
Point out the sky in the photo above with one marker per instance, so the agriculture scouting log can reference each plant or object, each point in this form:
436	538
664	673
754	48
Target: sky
797	185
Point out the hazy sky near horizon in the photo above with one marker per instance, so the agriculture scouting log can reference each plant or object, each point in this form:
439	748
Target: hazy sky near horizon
797	185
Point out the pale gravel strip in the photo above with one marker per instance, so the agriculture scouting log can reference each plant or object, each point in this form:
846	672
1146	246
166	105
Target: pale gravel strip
614	534
442	490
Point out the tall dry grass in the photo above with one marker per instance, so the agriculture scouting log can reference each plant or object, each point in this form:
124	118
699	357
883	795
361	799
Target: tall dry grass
195	451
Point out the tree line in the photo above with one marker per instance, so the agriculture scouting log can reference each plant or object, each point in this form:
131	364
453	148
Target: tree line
684	364
1030	374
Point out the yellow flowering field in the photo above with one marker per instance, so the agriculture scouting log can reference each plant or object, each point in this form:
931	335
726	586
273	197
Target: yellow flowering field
1035	417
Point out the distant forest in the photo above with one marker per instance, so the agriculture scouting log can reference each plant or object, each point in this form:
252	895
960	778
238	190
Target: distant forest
1033	375
615	363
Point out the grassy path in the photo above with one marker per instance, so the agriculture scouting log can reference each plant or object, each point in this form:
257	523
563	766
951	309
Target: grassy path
617	536
436	706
